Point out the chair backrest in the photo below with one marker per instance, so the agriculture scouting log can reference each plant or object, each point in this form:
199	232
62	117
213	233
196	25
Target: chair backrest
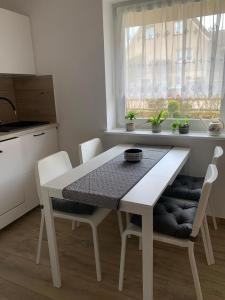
90	149
211	176
50	168
218	152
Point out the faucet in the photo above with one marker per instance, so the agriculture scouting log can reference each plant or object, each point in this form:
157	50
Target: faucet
10	103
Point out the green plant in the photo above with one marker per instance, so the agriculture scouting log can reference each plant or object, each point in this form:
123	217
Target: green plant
184	122
174	125
173	108
179	123
131	115
157	119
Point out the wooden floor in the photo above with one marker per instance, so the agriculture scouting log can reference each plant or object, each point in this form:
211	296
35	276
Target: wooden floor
21	278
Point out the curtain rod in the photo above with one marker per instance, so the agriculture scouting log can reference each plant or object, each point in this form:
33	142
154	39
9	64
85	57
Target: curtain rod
130	3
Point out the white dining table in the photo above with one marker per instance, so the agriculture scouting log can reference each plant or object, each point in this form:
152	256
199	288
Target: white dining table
139	200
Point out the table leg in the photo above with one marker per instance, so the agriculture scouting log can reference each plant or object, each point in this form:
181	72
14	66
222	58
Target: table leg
147	253
52	245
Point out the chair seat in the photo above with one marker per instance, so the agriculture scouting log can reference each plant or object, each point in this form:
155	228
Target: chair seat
173	217
73	207
185	187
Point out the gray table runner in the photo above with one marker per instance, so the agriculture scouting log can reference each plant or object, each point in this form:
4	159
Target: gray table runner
109	183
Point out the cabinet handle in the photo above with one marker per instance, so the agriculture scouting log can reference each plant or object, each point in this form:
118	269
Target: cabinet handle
9	139
39	134
1	151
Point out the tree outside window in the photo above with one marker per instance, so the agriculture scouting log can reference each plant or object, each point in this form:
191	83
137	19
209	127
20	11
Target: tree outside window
178	27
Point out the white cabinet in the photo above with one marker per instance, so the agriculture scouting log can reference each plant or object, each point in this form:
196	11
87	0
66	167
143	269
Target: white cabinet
16	50
35	147
18	156
11	175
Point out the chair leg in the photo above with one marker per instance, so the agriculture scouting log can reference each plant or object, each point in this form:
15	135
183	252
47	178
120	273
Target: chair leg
209	243
140	243
122	261
73	225
128	222
40	238
120	222
214	222
213	214
194	271
97	257
205	245
127	218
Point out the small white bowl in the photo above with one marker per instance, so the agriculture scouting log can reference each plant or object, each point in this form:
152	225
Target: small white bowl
133	155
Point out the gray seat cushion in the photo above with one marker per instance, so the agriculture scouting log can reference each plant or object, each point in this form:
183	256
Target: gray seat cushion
173	217
185	187
72	207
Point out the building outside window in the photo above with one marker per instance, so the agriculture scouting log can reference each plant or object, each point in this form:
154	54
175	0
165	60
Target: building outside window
150	71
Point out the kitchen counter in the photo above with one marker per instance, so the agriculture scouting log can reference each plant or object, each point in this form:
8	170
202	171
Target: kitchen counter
24	131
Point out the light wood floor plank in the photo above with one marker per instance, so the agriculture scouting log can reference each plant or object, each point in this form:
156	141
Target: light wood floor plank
20	276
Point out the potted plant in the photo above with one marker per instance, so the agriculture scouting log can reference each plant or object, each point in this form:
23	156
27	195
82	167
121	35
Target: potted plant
182	125
131	116
156	121
174	125
173	108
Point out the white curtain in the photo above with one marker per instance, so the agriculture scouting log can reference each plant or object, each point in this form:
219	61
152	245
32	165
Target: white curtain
170	55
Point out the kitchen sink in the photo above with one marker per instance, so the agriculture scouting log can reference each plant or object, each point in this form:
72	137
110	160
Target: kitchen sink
20	125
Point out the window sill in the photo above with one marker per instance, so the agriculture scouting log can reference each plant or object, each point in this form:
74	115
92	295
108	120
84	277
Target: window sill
166	133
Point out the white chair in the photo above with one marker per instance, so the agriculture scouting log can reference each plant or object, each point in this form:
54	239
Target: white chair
199	223
87	151
52	167
90	149
218	153
189	187
182	182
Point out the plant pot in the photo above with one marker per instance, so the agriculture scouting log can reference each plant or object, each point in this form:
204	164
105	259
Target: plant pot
130	126
156	128
216	127
184	129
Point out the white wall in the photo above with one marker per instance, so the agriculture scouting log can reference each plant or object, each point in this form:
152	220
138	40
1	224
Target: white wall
68	43
108	29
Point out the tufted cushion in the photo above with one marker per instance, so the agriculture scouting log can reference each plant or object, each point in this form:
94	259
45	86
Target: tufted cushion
172	217
73	207
185	187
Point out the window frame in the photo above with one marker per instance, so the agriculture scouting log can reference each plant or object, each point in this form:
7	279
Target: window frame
141	121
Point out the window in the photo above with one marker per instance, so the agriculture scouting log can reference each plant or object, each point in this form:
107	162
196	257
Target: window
181	71
178	27
188	55
150	32
179	55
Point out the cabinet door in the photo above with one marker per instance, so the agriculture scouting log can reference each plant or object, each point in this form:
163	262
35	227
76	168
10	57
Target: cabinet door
16	51
11	175
35	147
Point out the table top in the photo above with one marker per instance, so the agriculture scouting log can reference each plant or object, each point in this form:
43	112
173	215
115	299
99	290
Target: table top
145	193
